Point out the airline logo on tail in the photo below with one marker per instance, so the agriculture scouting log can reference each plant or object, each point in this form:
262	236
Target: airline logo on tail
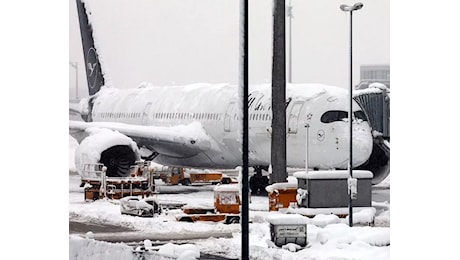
92	68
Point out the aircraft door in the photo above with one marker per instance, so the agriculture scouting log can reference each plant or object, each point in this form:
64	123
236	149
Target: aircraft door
294	117
228	117
145	115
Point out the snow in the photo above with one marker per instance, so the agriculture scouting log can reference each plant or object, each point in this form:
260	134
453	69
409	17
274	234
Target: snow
322	220
375	87
227	188
281	186
84	248
193	131
336	174
276	218
328	236
186	251
364	216
91	148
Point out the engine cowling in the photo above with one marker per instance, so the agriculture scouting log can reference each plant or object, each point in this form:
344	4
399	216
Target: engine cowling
116	151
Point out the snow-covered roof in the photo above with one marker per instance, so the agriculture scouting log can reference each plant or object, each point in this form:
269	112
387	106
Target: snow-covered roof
332	174
281	186
276	218
375	87
227	188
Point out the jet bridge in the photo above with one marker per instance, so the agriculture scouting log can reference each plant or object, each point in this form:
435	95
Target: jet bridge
375	102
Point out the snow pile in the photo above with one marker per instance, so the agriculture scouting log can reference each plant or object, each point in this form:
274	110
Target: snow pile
382	220
84	248
291	247
378	236
180	252
334	241
383	214
343	242
81	248
322	220
364	216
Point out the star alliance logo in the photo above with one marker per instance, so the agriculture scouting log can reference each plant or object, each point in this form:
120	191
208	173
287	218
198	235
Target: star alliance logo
92	66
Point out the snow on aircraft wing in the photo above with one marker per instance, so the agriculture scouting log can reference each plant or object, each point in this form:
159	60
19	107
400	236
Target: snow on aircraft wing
177	141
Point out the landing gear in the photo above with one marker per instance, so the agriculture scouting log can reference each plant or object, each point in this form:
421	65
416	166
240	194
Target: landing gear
258	182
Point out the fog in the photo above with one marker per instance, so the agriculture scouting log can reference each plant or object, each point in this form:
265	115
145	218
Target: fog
176	42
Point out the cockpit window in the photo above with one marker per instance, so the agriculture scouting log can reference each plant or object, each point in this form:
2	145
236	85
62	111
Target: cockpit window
338	115
334	115
360	115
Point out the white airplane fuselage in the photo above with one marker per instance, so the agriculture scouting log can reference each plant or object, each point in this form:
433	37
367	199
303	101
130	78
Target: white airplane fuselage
217	108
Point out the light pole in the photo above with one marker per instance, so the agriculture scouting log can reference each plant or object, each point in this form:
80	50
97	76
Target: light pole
290	15
74	64
350	10
307	127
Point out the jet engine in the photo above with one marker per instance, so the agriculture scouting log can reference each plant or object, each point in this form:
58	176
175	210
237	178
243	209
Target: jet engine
116	151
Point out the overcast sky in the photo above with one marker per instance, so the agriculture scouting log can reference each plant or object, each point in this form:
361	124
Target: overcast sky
176	42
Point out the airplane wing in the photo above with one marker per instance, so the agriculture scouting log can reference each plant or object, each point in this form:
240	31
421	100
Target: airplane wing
177	141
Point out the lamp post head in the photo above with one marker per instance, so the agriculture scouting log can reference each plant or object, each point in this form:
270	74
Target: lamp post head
355	7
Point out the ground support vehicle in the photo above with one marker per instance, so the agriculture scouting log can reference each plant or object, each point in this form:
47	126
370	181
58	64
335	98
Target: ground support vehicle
136	206
226	207
281	195
146	207
97	185
179	175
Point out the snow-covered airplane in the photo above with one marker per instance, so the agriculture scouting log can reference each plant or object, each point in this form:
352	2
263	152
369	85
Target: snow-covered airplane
197	125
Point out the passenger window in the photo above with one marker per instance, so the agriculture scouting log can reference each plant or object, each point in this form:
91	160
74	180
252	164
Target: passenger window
333	116
360	115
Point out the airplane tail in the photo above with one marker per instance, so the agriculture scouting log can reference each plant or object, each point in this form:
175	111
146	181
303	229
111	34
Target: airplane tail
93	66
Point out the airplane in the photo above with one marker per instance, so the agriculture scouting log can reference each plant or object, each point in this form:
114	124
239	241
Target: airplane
198	125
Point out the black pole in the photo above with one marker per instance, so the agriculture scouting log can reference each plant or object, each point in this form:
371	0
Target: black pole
245	188
290	42
278	142
350	118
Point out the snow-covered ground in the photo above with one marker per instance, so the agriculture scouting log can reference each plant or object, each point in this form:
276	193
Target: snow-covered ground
329	237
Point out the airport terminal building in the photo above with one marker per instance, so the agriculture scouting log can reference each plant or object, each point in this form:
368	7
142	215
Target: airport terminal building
374	73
